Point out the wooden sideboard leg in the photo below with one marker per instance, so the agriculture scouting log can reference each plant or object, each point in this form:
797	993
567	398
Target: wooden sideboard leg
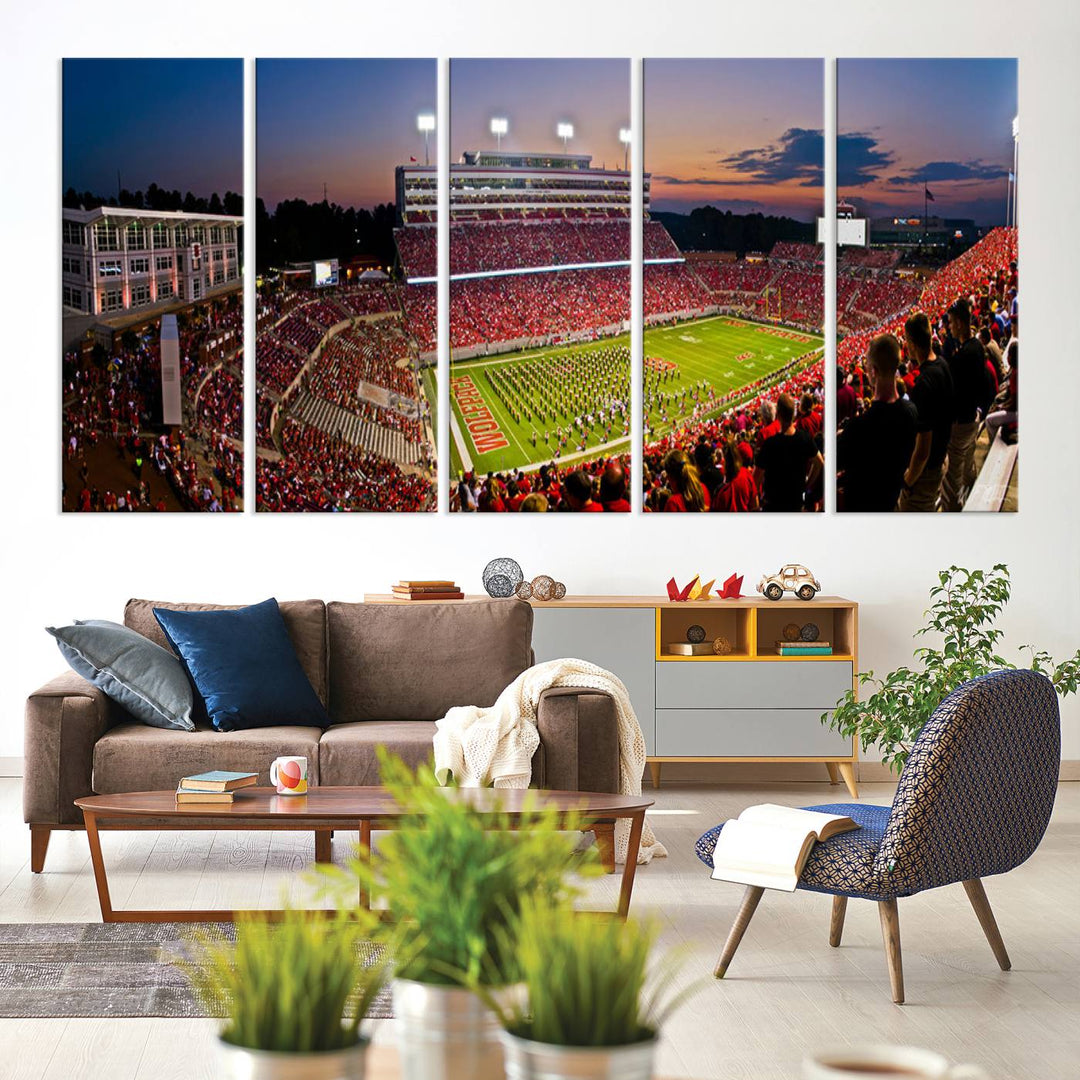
977	895
654	769
847	771
890	934
322	846
605	845
749	904
836	923
834	772
39	844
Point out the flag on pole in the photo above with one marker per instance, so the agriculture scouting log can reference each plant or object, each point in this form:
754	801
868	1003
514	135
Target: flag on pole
928	194
413	160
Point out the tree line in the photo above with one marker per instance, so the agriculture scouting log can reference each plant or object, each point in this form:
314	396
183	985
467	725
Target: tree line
708	229
157	198
299	231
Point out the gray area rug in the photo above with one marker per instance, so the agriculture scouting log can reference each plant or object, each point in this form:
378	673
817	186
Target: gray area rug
109	969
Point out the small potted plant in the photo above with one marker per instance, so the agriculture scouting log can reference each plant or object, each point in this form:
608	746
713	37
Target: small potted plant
293	993
452	880
592	1006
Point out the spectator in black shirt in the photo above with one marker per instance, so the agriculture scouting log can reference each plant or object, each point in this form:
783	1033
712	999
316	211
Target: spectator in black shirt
874	448
932	396
972	394
787	464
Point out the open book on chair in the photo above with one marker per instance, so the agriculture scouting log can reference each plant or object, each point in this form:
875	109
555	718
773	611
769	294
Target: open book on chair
768	845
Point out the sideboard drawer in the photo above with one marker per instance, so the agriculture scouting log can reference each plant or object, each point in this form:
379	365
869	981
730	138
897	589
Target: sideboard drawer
761	733
750	684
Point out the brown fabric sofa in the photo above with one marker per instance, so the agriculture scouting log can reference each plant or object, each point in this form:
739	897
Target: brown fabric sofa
385	673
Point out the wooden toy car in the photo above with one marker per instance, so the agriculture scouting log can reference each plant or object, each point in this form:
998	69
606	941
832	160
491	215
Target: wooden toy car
791	578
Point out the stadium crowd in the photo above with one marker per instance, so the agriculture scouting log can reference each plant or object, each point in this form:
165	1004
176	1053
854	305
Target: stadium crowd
595	486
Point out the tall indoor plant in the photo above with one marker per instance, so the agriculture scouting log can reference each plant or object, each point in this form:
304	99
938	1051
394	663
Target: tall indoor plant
293	993
453	880
592	1005
964	608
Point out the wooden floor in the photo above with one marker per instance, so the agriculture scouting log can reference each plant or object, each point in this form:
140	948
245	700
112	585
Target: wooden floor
786	992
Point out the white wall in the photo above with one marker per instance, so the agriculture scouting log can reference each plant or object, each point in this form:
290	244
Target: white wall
55	568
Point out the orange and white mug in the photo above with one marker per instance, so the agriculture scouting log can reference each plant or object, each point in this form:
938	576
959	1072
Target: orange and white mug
289	775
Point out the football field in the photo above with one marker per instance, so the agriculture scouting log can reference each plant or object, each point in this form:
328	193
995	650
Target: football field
724	352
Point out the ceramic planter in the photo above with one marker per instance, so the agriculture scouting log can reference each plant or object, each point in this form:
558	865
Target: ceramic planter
445	1033
528	1060
239	1063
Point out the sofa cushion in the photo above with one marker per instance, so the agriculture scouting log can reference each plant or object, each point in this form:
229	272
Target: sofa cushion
244	666
133	757
414	662
305	621
347	754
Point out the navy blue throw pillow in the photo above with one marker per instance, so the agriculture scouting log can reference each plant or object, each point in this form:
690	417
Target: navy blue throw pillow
244	665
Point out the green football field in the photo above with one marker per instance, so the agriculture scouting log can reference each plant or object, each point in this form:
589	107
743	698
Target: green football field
727	353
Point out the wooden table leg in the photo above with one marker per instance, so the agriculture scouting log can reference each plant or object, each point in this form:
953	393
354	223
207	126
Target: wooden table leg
605	844
364	855
98	862
637	822
322	846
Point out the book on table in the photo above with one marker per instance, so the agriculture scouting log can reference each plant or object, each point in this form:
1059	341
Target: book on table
183	795
426	590
218	780
768	845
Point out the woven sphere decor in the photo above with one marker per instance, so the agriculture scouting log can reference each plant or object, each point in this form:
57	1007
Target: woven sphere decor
721	646
524	590
791	632
560	590
695	634
810	631
502	576
543	587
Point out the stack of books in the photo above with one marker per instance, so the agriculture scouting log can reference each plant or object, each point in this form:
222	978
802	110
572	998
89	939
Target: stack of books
427	590
213	787
690	648
804	648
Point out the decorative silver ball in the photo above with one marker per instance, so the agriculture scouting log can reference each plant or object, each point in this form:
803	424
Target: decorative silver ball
501	577
695	634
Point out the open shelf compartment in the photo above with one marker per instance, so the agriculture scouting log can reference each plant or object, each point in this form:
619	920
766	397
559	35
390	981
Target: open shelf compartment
836	625
733	623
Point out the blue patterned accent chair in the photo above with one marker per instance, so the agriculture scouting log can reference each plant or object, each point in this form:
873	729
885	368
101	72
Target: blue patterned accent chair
974	799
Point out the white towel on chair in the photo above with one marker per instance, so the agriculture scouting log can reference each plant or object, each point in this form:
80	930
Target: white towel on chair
496	745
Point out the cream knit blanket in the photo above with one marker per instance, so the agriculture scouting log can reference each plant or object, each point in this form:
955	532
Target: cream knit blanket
495	746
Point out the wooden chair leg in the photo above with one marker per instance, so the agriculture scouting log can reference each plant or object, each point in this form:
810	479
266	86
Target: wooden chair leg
605	845
747	908
39	844
890	934
977	895
836	923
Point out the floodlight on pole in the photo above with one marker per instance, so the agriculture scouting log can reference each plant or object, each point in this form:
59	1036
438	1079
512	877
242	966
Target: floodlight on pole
565	132
624	138
425	122
499	127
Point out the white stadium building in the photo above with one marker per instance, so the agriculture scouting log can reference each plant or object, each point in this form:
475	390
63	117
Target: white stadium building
117	261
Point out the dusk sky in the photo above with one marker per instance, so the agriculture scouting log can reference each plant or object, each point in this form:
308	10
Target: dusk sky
176	123
945	123
740	135
534	96
345	123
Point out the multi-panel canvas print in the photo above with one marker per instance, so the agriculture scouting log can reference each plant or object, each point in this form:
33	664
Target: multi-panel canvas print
345	353
151	285
733	387
539	199
927	315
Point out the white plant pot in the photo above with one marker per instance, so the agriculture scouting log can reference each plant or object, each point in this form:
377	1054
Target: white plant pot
445	1033
528	1060
239	1063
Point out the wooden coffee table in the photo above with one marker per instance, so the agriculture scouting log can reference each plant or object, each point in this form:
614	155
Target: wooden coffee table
323	810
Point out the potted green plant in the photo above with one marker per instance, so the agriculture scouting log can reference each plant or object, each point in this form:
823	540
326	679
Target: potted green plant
592	1007
452	880
964	608
293	993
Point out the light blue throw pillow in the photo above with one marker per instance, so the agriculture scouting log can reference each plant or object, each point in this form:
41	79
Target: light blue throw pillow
144	678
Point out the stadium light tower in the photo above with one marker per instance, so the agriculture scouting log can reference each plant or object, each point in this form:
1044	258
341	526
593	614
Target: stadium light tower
425	122
1010	210
624	138
565	132
499	127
